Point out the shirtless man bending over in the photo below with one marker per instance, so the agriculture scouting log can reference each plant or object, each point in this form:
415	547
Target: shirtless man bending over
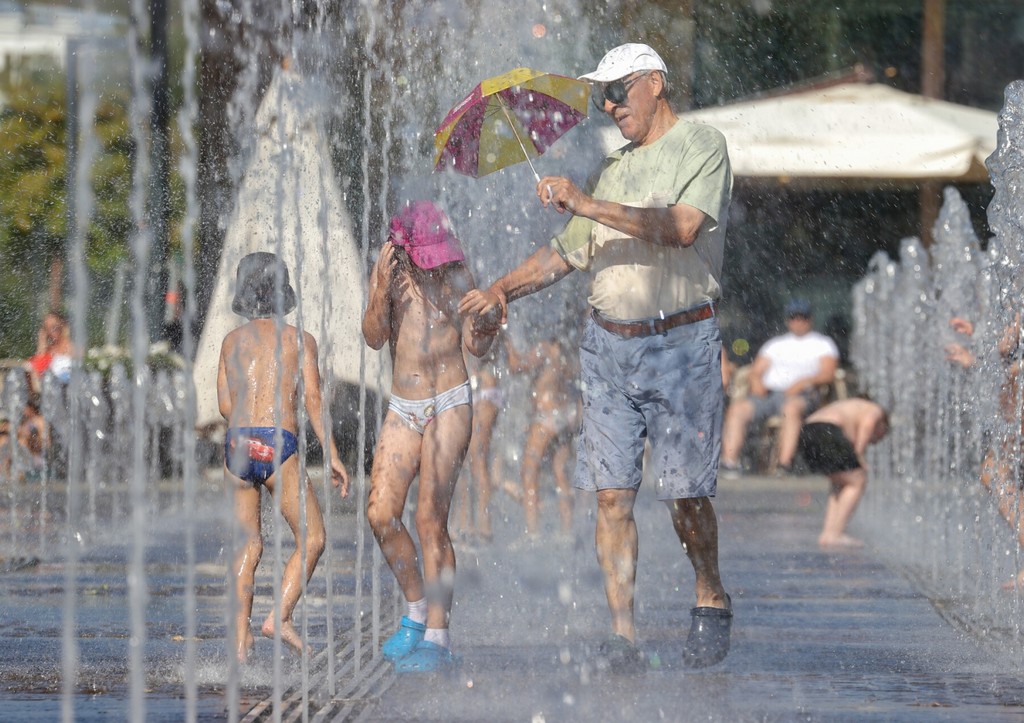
833	440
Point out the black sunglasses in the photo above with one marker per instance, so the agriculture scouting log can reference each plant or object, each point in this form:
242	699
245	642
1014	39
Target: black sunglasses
614	92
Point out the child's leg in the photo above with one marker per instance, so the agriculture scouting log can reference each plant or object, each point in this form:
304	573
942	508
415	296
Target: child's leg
286	484
485	416
395	463
247	512
462	524
538	439
563	484
444	448
847	489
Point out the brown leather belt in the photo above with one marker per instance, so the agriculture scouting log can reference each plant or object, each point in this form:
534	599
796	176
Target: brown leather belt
650	327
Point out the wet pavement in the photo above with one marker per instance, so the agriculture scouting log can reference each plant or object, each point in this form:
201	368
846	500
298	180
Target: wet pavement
817	635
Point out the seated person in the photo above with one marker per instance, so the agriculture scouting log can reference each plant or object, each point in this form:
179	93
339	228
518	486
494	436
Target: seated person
23	456
34	436
54	350
784	380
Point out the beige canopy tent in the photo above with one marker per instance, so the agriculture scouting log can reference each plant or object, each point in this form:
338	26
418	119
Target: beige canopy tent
850	131
289	202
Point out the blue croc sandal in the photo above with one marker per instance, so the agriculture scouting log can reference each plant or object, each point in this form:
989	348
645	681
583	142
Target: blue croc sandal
408	635
427	657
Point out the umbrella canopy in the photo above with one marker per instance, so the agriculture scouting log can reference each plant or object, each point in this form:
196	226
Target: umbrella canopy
508	119
857	130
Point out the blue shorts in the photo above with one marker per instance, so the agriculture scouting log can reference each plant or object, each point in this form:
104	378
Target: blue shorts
666	389
770	405
249	452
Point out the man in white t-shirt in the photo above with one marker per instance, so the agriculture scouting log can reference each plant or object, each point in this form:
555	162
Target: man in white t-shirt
784	380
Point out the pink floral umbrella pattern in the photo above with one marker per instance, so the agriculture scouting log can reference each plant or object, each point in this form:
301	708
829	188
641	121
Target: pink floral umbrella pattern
509	118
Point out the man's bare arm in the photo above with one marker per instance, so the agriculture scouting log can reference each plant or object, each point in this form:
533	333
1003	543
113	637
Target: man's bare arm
541	269
865	428
675	226
755	378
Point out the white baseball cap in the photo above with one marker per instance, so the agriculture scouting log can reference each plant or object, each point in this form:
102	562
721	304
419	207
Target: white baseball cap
624	60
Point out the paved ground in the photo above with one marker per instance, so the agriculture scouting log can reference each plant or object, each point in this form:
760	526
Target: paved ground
817	635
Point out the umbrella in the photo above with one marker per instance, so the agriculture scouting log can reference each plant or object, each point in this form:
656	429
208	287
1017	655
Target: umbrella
865	132
508	118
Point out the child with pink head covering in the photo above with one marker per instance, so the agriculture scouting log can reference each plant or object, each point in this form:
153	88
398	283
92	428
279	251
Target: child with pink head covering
415	288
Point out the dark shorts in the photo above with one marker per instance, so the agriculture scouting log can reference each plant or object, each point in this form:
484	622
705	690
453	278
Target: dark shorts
249	452
826	450
664	389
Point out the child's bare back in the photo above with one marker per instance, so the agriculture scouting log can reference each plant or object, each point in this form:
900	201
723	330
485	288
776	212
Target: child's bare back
850	415
258	368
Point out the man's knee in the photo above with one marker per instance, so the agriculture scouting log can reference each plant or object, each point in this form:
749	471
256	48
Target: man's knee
690	510
794	407
615	506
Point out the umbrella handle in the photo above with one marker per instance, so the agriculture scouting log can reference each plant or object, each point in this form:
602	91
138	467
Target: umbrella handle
512	125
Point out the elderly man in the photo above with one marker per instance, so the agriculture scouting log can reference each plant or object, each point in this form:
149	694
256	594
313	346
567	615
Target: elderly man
784	380
649	228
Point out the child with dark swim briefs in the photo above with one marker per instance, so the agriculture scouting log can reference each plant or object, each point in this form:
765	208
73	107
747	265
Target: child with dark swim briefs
261	366
832	441
415	289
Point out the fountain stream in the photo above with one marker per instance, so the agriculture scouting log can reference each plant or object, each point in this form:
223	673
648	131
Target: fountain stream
927	506
136	517
142	530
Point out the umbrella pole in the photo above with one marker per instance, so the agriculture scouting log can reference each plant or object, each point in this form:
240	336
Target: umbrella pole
512	125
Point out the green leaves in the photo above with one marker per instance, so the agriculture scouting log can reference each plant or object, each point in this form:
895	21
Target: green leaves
33	196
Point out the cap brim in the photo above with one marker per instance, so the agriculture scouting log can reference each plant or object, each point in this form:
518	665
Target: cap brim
599	77
428	260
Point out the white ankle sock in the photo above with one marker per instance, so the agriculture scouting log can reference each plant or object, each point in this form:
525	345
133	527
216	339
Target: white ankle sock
418	611
438	636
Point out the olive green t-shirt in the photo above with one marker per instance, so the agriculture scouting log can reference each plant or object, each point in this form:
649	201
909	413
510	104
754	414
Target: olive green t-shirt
635	279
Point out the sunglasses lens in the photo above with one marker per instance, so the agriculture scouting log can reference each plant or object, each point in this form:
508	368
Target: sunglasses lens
614	93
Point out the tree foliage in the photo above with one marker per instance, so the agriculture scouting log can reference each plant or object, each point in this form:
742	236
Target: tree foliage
33	195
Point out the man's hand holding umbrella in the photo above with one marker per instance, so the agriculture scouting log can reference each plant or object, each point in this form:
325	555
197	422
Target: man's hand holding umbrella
561	194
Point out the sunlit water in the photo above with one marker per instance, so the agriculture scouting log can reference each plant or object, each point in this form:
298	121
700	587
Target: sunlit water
926	505
125	539
123	533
